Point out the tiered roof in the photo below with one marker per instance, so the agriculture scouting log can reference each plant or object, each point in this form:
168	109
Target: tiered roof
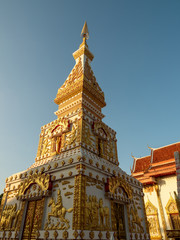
81	79
165	153
161	162
142	164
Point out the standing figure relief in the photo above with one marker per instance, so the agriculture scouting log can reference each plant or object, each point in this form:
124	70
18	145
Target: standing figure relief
55	137
104	214
96	215
9	217
52	142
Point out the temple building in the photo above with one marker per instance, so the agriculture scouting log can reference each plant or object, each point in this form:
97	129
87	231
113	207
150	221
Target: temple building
75	188
159	174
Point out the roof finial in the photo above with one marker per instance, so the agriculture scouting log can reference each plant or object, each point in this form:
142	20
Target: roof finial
149	147
85	32
133	157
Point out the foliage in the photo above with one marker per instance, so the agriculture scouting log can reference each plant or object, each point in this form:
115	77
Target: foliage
1	196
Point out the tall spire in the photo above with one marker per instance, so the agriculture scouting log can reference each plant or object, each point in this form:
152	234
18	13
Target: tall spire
79	116
81	80
83	48
85	32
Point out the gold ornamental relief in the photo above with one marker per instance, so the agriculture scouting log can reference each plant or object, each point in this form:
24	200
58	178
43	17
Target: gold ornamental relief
42	180
33	219
83	50
173	213
148	189
150	208
106	144
134	220
110	152
116	182
87	136
118	220
72	136
90	76
153	222
75	74
79	202
154	229
5	195
72	85
101	130
9	217
54	136
20	216
113	216
57	213
96	214
171	206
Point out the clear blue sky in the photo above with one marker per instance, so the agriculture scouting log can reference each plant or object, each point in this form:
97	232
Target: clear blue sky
137	64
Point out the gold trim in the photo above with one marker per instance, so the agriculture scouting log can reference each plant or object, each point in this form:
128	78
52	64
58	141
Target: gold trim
146	222
152	218
3	202
171	208
41	179
161	211
115	182
79	202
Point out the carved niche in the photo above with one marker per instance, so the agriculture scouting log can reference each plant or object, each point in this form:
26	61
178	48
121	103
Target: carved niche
105	143
173	214
153	221
117	182
35	185
54	138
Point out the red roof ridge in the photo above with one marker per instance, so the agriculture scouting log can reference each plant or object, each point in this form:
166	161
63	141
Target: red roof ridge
162	155
166	146
143	157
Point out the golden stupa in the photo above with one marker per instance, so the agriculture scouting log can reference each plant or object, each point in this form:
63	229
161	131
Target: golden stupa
75	189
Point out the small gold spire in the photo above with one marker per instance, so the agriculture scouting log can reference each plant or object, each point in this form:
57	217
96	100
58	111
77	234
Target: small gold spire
85	32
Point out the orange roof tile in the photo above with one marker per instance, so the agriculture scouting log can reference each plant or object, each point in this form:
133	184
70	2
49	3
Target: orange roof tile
142	164
163	163
165	153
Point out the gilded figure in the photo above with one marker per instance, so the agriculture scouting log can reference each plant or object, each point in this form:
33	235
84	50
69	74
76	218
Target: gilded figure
9	217
103	213
59	212
96	215
135	219
72	135
53	137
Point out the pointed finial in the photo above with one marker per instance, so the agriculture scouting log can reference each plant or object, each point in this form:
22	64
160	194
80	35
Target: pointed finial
133	157
85	32
149	147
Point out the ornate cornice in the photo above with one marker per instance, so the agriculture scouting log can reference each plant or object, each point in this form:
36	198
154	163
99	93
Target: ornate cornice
43	180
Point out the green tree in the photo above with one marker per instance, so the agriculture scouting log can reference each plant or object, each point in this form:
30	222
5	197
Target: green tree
1	196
